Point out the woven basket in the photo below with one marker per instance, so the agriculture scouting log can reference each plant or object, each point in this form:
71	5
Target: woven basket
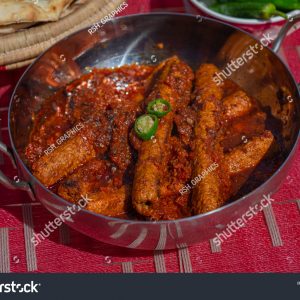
21	48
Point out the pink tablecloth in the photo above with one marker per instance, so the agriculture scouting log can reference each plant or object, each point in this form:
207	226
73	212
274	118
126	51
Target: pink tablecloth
269	243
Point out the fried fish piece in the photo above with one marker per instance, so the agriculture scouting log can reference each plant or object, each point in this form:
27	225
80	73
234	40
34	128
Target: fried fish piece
65	158
115	89
95	180
237	105
242	160
49	124
243	129
110	201
87	179
206	89
211	191
170	82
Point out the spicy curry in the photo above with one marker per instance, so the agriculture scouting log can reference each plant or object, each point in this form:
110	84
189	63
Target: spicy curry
167	174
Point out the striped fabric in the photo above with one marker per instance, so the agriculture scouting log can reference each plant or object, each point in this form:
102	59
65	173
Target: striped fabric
272	226
28	235
4	251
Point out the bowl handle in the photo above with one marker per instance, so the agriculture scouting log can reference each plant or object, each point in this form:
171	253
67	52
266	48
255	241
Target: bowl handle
12	184
283	32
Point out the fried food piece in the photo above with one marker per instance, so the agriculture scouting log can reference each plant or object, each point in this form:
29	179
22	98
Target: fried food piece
178	170
88	179
95	179
174	175
237	105
243	129
80	105
185	119
211	192
120	152
110	201
120	88
172	207
242	160
206	89
50	123
170	82
185	116
66	158
100	133
145	186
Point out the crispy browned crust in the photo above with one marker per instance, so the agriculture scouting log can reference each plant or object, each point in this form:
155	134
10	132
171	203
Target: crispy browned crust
250	154
243	160
171	82
243	128
85	180
206	89
237	105
48	127
90	181
110	202
120	152
210	192
74	152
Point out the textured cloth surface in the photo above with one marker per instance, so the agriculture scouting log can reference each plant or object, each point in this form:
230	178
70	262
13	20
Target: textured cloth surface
270	242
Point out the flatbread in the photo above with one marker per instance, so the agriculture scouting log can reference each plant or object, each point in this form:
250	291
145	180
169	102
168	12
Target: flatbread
11	28
14	27
31	11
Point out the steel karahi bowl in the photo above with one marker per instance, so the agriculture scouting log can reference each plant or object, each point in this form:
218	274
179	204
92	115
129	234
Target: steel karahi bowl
132	39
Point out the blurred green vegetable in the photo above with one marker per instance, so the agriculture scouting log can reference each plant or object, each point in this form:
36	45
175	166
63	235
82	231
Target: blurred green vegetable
284	5
255	10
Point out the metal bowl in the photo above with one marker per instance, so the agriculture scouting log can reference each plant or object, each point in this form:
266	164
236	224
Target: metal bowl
133	39
203	5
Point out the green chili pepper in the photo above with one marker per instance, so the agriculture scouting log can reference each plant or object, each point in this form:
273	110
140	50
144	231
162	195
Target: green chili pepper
285	5
146	126
248	10
159	107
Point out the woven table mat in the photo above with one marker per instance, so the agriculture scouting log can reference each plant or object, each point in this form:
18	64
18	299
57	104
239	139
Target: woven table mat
19	49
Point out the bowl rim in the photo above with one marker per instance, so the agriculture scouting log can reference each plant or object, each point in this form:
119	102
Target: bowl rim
144	222
242	21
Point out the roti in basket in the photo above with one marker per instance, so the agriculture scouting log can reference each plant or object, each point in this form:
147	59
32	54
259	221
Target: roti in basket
18	14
